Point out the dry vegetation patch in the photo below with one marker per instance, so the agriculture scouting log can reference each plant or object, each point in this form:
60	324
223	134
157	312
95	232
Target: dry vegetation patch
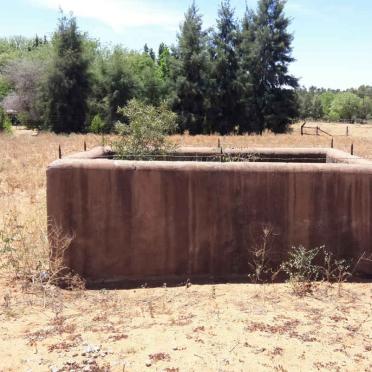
231	327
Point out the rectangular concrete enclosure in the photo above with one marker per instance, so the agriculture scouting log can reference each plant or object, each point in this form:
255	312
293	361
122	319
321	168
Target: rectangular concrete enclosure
143	220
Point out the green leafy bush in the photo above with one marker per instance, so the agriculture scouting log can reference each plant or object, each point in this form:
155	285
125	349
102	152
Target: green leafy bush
97	125
303	271
5	123
8	125
301	268
146	135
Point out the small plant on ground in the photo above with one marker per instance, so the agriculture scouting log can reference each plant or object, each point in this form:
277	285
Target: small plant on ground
17	252
259	257
58	273
335	270
146	134
301	269
26	256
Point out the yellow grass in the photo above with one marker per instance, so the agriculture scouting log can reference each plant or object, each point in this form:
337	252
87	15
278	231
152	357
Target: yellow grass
359	135
231	327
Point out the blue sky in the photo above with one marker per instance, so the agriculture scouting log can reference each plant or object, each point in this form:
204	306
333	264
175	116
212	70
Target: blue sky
332	46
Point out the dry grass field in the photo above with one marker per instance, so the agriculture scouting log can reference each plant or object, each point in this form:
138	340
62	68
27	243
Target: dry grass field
226	327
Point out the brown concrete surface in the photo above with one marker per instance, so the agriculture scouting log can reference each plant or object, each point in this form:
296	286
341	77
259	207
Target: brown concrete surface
143	220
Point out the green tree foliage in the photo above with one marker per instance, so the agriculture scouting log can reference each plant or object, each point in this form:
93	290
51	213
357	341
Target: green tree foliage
274	97
97	125
366	108
119	76
164	61
68	83
365	93
248	121
310	104
146	133
190	74
216	80
150	52
5	87
321	104
317	112
116	85
326	99
305	103
345	106
151	85
5	123
21	51
14	48
224	106
26	76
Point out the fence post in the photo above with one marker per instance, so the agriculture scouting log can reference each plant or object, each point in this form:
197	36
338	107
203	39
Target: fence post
59	152
332	143
352	149
85	146
302	128
219	143
347	131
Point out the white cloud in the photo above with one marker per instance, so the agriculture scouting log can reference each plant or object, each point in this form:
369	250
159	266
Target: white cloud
118	14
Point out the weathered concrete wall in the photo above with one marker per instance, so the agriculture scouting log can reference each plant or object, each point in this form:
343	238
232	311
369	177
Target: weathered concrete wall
138	220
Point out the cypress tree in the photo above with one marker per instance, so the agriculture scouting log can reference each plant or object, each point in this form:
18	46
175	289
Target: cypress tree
248	121
224	110
190	73
68	83
274	97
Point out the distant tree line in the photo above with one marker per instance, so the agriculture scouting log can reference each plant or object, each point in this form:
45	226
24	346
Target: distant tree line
233	78
334	105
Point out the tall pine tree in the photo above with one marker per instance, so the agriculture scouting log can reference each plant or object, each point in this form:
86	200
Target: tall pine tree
274	100
190	73
248	121
68	83
224	110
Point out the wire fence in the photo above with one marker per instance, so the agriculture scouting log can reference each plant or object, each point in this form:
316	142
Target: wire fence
234	158
220	156
317	131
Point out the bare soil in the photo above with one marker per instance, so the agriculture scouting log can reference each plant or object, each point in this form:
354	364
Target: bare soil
230	327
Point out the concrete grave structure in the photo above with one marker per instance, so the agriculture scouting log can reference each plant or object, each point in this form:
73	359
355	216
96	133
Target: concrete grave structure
197	215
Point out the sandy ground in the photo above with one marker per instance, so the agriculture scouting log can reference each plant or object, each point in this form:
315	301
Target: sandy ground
230	327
